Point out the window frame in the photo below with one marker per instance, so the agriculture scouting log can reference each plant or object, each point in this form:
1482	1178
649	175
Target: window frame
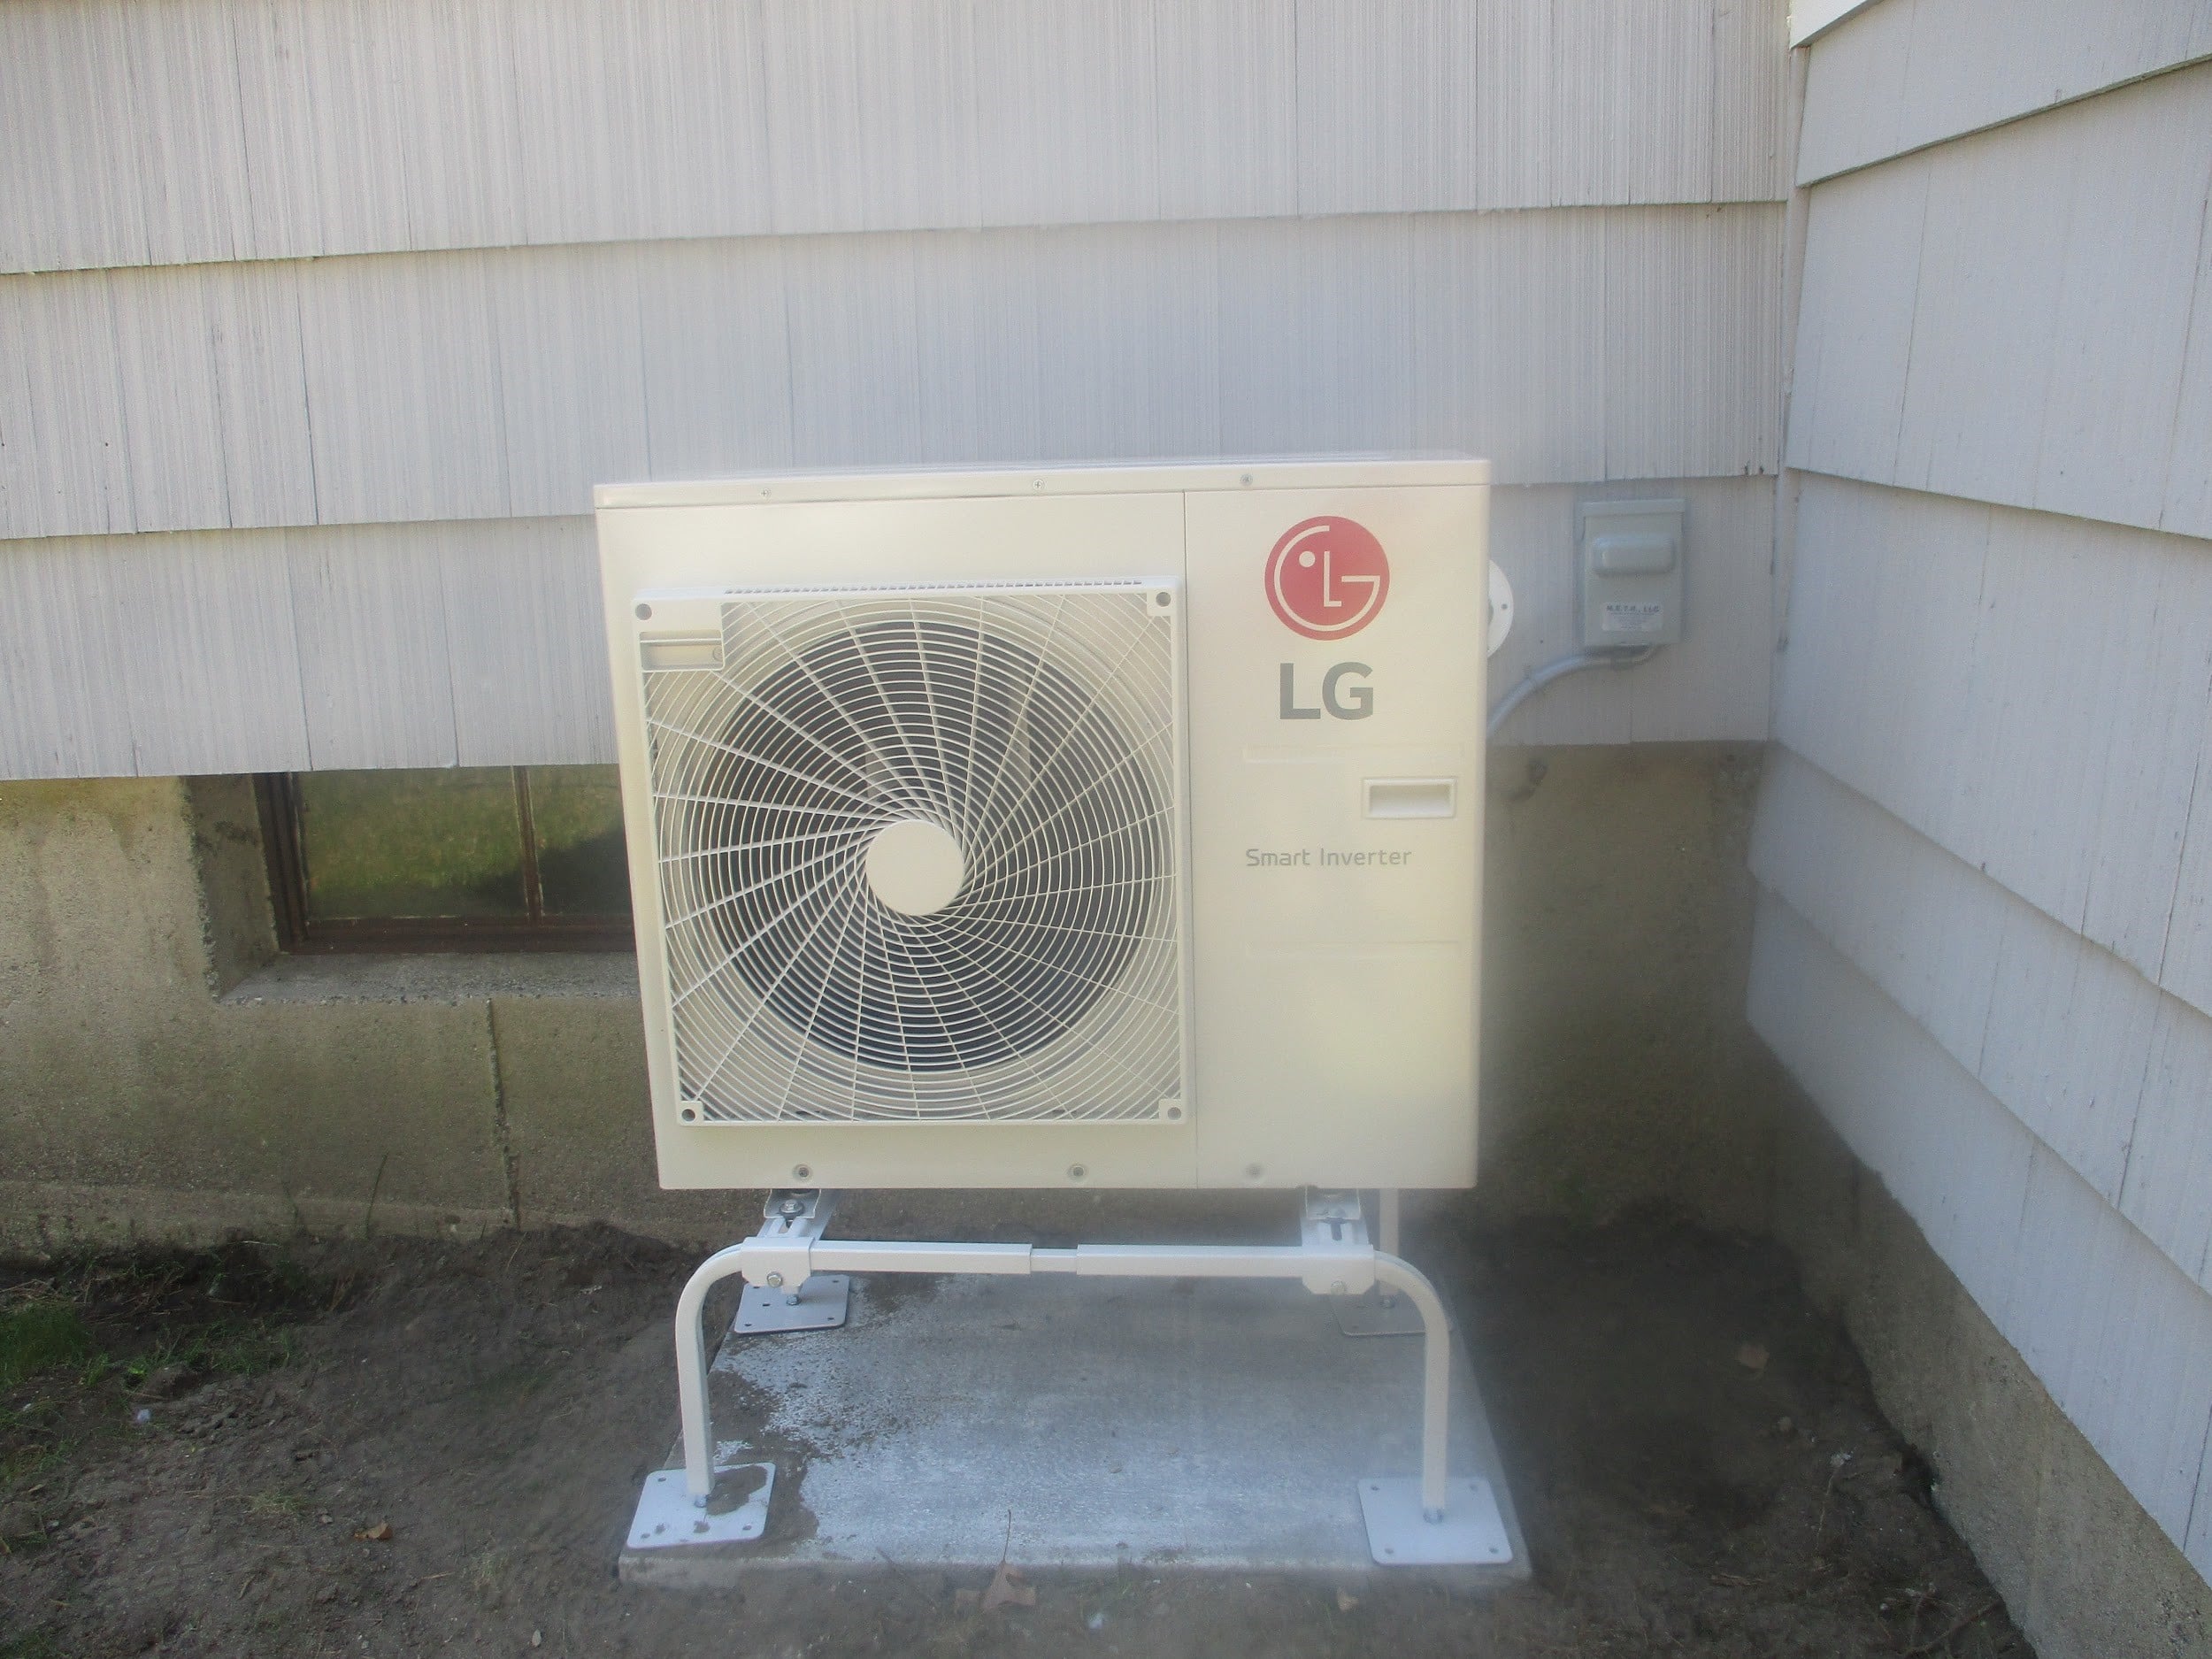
277	795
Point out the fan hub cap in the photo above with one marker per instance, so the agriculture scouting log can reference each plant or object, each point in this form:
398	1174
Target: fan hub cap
915	866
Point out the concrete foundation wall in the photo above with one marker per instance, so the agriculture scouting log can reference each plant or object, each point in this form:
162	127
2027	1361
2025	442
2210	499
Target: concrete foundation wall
2084	1569
165	1073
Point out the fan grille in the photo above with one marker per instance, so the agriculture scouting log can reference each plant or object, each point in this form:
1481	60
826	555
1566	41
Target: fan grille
1035	727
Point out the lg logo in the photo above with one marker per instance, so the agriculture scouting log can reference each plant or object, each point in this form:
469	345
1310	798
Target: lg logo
1345	702
1328	579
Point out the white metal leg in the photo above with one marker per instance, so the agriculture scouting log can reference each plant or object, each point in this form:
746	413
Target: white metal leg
1336	1258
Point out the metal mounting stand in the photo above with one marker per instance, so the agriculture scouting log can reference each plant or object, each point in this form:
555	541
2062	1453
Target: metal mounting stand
1378	1310
819	1304
1431	1520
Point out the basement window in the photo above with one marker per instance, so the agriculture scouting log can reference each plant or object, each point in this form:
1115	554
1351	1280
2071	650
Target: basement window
459	858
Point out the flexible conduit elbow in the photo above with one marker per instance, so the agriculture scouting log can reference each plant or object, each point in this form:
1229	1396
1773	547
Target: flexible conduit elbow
1559	668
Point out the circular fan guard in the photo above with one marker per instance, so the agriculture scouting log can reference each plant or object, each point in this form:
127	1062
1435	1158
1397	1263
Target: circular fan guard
1034	744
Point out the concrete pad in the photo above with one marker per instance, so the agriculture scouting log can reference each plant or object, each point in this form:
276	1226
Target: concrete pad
1076	1424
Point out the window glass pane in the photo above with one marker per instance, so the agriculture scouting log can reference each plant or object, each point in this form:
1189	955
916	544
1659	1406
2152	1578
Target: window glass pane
416	844
583	865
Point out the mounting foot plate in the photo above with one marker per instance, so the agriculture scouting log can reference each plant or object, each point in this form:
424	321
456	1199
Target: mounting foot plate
817	1305
1471	1532
667	1518
1372	1314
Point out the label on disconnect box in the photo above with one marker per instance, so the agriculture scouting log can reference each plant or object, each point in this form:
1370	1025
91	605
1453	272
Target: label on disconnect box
1637	615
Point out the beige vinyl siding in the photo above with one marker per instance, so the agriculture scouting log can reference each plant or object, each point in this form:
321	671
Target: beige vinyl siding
2120	1336
505	384
136	133
1904	74
2103	1067
478	643
471	644
2031	694
388	285
1984	847
2024	316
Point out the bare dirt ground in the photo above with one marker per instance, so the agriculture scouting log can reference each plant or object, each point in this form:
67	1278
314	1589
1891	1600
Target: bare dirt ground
203	1455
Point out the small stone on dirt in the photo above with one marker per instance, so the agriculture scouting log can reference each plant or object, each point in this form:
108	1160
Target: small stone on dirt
381	1533
1752	1357
1346	1600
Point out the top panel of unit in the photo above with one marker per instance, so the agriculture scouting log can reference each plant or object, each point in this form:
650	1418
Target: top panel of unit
1339	471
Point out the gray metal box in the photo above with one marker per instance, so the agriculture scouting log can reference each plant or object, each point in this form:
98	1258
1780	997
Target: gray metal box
1630	570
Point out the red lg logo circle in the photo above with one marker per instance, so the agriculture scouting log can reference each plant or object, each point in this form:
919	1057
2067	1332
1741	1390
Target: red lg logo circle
1327	578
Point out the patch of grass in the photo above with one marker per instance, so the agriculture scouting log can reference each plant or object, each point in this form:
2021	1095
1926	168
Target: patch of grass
487	1573
80	1336
225	1349
40	1333
278	1503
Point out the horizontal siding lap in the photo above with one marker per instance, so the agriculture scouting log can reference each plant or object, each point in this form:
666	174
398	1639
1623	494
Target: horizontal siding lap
402	388
1954	1157
259	129
574	414
642	120
62	710
1229	111
415	645
1751	135
253	319
2029	336
2189	450
976	309
1343	379
169	368
2118	1336
1855	327
67	457
1854	91
2122	1341
1692	342
1990	268
2105	1068
189	125
1907	73
2128	273
873	112
1129	341
717	358
1635	58
368	608
2031	693
1067	112
2170	1162
2185	961
1392	109
529	644
69	169
210	664
1520	299
856	364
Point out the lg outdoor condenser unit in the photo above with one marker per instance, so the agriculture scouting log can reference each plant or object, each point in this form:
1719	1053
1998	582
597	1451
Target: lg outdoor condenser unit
1084	826
1108	826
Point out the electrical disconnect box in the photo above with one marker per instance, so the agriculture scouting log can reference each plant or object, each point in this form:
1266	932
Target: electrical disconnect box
1631	573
